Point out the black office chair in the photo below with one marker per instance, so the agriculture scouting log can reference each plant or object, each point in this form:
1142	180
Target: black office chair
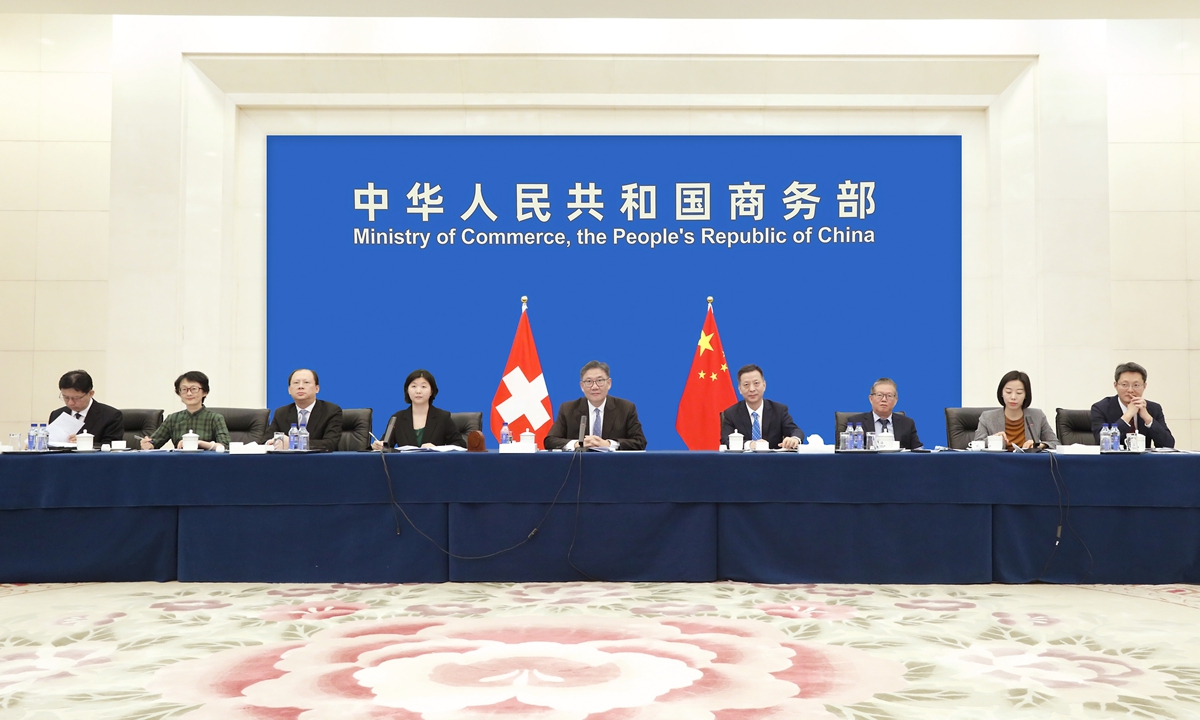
841	418
246	425
1074	426
139	423
467	423
356	430
961	424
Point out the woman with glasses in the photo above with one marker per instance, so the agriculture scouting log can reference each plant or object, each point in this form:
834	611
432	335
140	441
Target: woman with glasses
1017	424
192	388
421	424
104	422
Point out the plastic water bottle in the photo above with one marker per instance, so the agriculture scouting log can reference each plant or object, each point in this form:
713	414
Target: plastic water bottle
294	438
505	434
1105	438
858	436
303	438
43	441
32	440
846	439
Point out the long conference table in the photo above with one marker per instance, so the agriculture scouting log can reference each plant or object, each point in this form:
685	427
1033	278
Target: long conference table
951	517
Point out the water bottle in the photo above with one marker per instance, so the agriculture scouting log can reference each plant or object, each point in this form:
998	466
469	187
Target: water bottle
505	434
43	441
846	441
858	436
294	438
303	438
1105	438
32	440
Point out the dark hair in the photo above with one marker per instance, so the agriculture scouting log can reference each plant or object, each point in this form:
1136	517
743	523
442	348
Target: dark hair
415	374
1009	377
748	369
1121	370
76	380
194	376
316	380
889	381
594	365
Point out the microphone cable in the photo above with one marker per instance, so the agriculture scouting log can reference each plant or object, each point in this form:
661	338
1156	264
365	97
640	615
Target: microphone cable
397	506
579	450
1064	518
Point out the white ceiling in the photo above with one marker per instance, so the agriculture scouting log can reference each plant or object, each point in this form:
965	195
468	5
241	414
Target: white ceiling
836	9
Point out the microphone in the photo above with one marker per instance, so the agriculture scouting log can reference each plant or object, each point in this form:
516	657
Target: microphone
582	432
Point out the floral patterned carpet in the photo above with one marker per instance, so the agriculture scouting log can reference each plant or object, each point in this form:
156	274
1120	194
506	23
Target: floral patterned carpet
597	651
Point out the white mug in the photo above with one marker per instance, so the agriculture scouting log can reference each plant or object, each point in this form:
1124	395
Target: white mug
735	440
1135	442
83	441
189	441
995	442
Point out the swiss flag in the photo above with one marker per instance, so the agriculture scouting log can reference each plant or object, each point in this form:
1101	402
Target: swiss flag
709	390
522	399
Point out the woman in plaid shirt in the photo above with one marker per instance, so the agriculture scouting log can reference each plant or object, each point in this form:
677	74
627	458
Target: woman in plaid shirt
192	388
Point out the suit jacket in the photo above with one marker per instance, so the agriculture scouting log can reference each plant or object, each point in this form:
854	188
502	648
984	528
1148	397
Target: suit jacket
775	420
324	424
620	423
1108	410
439	429
904	429
1037	427
104	422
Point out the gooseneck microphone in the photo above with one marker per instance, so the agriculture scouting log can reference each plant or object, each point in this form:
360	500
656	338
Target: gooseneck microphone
582	432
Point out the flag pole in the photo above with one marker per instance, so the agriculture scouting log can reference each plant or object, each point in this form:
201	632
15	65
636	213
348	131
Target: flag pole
524	300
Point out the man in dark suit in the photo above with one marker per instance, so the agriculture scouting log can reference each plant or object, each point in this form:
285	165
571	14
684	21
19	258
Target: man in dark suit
104	422
757	418
612	423
883	417
1128	406
323	420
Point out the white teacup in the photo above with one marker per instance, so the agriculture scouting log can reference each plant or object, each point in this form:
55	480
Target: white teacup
736	440
189	441
83	441
975	445
118	444
994	442
1135	442
529	437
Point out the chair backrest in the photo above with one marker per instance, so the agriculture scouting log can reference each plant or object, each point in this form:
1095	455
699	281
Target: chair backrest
138	422
1074	426
961	423
467	421
841	418
245	424
356	429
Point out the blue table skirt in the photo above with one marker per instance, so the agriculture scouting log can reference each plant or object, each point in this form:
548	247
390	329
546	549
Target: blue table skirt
922	518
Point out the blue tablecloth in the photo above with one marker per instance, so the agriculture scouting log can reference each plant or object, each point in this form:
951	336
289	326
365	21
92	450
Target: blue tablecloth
945	517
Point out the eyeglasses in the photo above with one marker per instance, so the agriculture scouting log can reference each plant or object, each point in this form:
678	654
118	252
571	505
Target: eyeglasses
594	383
1128	386
190	390
884	396
72	398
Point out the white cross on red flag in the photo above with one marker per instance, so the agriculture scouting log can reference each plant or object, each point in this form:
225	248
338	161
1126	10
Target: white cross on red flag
522	399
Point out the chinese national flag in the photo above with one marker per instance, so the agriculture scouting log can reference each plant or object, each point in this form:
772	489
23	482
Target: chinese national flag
709	390
522	399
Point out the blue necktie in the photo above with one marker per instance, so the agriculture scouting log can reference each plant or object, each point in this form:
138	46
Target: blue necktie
303	418
756	429
596	424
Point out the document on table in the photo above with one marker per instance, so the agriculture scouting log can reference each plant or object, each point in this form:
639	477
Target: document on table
63	427
438	448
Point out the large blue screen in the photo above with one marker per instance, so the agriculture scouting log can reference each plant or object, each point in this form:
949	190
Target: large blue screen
833	261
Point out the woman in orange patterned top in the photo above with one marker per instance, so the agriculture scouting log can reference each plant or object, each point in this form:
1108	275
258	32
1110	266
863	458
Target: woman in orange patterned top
1019	425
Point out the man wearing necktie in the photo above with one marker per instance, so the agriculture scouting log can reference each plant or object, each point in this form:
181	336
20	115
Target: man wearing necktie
323	420
884	418
758	418
612	423
104	422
